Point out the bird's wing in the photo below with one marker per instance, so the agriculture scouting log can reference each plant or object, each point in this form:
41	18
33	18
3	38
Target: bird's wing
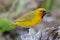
27	17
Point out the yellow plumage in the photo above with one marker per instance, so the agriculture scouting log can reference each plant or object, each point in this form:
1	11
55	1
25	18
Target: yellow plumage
31	19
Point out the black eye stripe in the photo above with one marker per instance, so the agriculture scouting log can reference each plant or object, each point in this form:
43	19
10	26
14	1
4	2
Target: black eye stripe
42	11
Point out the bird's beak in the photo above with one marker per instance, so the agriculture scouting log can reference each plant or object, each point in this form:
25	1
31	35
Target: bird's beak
44	13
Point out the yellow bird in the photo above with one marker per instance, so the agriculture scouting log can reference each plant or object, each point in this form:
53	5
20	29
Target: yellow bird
31	19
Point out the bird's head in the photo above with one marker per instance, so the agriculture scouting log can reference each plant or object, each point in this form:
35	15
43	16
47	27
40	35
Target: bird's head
41	12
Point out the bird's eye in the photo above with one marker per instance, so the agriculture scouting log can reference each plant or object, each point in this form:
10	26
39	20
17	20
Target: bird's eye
41	11
44	11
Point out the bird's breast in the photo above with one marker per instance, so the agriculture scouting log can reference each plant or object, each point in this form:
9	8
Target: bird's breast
31	23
